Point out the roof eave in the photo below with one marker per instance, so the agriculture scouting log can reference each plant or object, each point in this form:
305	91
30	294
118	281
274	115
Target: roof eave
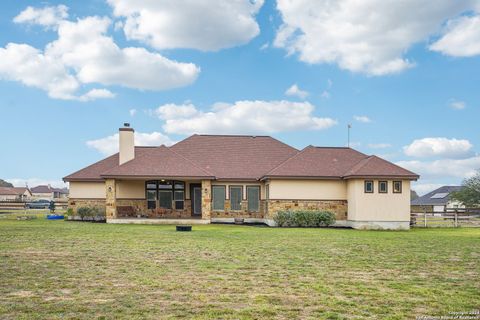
389	176
144	177
301	177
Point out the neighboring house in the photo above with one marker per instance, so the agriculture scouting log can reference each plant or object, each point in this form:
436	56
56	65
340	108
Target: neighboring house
47	192
217	178
436	201
12	194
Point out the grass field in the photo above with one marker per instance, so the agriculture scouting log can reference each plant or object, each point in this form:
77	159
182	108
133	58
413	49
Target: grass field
57	269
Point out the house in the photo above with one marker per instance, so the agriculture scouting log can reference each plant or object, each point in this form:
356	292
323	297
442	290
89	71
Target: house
217	178
436	201
47	192
15	194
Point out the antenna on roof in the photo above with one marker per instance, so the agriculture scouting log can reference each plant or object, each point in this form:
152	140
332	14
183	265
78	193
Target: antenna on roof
349	126
126	125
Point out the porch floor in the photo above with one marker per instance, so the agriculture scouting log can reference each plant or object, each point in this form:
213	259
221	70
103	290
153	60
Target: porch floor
180	221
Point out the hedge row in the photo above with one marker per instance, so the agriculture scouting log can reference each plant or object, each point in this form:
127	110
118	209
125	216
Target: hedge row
304	218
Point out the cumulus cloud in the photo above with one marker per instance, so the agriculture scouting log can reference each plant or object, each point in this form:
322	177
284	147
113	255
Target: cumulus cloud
132	112
443	168
206	25
49	16
457	105
294	90
439	147
85	54
363	119
109	145
461	37
370	37
242	117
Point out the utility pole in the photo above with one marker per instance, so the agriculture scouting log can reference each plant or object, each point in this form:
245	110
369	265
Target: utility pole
348	139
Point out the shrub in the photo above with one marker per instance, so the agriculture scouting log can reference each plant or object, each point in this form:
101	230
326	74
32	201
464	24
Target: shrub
69	212
84	212
304	218
91	212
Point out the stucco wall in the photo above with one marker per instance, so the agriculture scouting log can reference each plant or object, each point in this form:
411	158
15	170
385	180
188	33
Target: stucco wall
130	189
378	206
87	190
308	189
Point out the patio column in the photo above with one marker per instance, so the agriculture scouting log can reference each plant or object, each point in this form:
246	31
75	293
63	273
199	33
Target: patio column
111	199
206	199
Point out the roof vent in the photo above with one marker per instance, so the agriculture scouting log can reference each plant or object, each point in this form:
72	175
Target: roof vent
126	125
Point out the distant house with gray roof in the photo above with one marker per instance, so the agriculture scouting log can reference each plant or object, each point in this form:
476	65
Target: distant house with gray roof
437	200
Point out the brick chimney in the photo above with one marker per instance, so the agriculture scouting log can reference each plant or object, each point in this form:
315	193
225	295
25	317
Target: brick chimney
127	144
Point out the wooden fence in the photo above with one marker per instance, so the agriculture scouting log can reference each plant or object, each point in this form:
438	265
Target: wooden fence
9	205
468	217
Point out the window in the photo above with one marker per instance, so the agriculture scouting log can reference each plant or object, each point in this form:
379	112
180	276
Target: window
397	186
382	187
218	197
368	186
236	198
165	192
253	197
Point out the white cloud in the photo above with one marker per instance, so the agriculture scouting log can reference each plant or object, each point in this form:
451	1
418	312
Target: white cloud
371	37
379	145
97	94
132	112
33	182
109	145
325	94
294	90
47	16
457	105
242	117
439	147
85	54
206	25
461	37
363	119
443	168
264	46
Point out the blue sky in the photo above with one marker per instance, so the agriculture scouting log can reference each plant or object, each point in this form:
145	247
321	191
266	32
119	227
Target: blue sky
406	78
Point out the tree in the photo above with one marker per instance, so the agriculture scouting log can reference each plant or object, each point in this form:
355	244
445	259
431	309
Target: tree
469	195
4	183
413	195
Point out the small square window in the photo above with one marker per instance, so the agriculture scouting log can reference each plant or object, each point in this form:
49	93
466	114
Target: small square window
382	187
397	186
368	186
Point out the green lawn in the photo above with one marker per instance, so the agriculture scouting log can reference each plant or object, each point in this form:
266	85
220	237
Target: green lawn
57	269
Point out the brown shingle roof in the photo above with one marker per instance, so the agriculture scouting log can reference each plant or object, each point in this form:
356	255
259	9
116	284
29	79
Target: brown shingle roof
235	157
374	166
341	163
318	162
226	157
12	191
159	162
93	172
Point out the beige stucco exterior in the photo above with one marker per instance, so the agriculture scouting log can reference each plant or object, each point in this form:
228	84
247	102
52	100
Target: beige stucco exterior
379	207
308	189
87	190
126	145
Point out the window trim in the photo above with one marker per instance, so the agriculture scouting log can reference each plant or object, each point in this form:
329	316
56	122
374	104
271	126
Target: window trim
386	186
259	198
224	198
365	186
400	184
230	187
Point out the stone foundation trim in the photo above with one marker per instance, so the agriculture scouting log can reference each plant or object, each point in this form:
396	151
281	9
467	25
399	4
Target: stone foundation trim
379	225
232	220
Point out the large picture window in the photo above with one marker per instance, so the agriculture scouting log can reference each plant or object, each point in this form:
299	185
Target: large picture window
236	198
253	198
218	198
164	193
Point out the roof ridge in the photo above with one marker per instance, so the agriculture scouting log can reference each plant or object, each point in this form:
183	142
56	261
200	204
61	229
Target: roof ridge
357	166
293	156
84	168
196	165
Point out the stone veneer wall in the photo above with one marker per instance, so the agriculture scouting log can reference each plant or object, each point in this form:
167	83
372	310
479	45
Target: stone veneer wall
338	207
74	204
243	213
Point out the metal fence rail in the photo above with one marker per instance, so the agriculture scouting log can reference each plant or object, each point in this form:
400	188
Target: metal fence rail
468	217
